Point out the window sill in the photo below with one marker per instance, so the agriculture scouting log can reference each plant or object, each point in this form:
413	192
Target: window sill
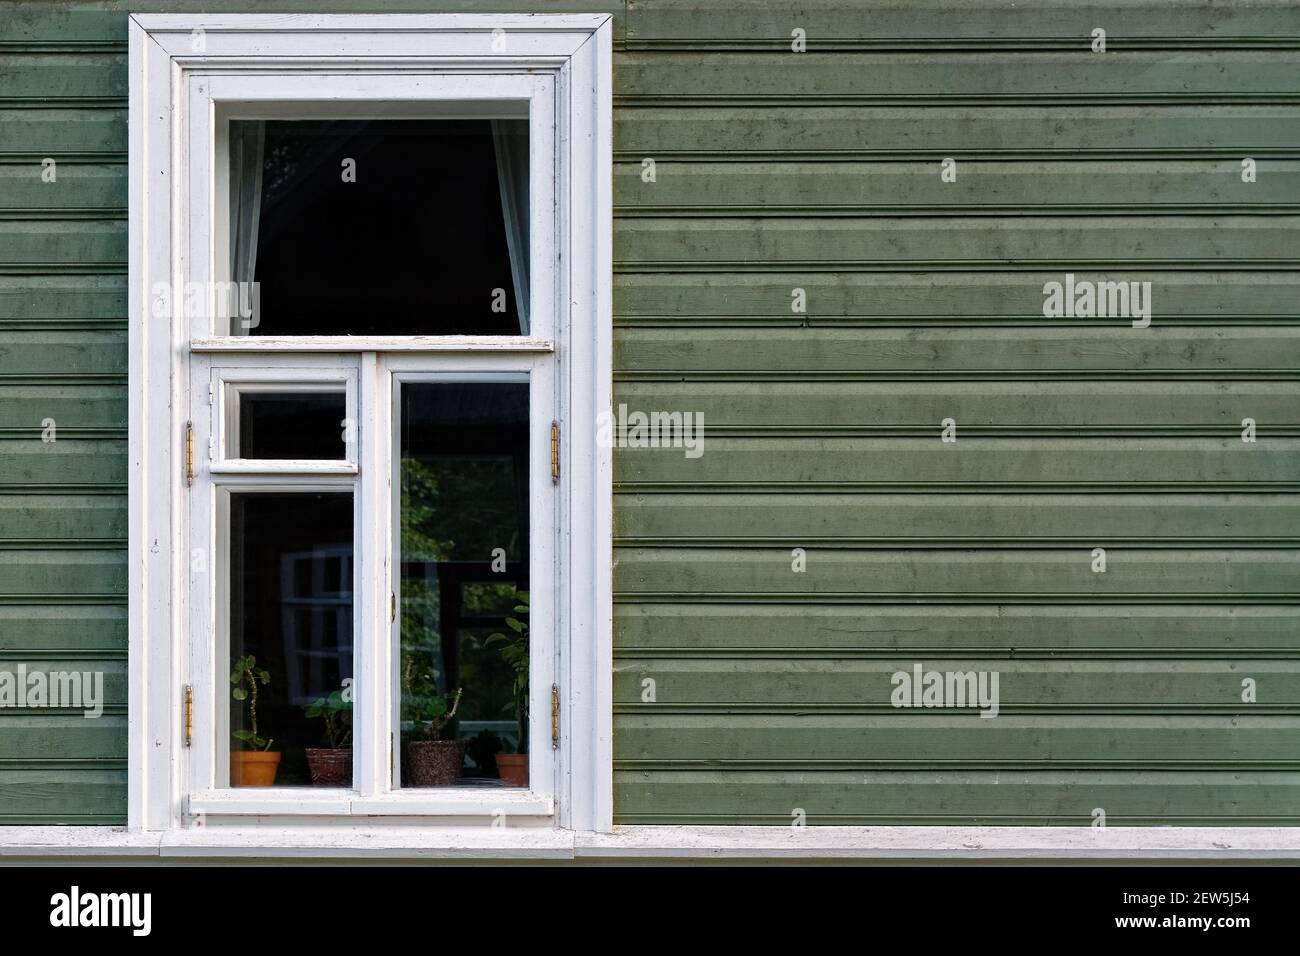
313	803
282	466
371	840
373	343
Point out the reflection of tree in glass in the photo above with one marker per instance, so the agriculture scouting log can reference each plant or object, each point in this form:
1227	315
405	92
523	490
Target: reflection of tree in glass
419	513
421	647
456	508
467	506
488	680
514	651
280	166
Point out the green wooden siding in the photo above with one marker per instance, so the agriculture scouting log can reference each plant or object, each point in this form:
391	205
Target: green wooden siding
777	170
819	171
63	357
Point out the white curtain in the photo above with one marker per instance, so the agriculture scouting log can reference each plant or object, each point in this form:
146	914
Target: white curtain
510	138
247	140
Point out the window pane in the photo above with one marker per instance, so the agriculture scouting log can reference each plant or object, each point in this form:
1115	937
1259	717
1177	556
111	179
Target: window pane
290	639
384	227
464	583
301	425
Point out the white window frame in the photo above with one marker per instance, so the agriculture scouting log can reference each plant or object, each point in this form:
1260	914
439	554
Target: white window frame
182	68
228	381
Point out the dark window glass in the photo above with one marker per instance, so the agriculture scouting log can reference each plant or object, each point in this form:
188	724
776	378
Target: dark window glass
290	639
382	227
464	579
301	425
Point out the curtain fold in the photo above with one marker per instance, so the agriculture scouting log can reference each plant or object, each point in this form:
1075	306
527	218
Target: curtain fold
510	139
247	142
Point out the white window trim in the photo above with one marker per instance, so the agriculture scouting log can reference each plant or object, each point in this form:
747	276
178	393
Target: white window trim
228	381
267	53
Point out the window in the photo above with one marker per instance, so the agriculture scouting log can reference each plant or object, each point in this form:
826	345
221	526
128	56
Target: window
370	259
377	226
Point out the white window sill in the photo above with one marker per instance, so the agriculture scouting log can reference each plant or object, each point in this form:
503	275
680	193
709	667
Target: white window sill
938	844
367	840
373	343
293	466
348	803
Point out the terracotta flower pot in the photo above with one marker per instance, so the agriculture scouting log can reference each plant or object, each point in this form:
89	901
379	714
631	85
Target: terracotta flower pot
253	768
330	766
433	763
513	769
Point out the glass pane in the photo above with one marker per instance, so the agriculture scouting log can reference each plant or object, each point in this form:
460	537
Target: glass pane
383	227
301	425
464	584
290	690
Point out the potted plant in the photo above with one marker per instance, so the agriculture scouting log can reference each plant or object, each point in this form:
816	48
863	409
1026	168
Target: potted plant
428	760
331	766
255	766
513	768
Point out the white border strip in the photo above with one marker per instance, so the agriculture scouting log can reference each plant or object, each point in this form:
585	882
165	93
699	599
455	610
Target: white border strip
670	844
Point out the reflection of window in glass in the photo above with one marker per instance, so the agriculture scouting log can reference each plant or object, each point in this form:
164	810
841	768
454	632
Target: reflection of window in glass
464	578
384	227
291	583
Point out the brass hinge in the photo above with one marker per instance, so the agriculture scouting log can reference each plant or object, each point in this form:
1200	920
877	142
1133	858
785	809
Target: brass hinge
555	453
555	716
189	714
189	454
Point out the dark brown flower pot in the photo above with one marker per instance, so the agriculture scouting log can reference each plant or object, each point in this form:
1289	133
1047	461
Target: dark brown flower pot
433	763
253	768
330	767
513	769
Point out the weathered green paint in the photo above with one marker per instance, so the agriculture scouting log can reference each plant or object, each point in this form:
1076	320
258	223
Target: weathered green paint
990	189
903	463
770	686
958	521
819	171
1084	632
1153	797
948	300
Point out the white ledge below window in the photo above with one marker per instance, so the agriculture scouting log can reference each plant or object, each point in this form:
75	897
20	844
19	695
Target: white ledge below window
373	343
313	803
365	840
282	466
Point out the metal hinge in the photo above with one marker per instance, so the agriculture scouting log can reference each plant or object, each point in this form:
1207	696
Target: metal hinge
555	453
392	606
189	714
189	454
555	716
